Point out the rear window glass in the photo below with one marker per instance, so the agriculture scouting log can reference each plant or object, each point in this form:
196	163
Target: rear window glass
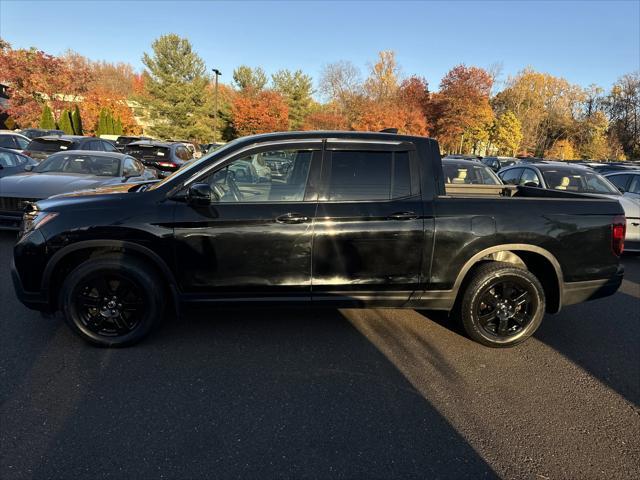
148	152
80	164
579	181
40	145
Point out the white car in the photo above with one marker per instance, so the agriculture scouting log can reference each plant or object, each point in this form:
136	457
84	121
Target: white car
628	181
13	141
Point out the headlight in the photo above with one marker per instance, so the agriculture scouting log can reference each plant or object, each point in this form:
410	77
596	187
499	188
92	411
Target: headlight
34	219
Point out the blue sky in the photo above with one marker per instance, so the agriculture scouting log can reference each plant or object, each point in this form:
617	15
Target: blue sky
585	42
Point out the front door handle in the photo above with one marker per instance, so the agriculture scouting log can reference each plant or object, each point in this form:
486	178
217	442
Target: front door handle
292	218
403	216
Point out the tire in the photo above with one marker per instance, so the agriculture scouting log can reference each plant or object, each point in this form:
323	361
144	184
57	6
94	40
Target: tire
502	305
112	301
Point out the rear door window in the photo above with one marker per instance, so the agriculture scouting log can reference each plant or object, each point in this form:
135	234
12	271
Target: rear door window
7	141
620	181
368	176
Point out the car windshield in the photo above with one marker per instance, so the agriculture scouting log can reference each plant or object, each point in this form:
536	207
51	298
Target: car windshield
194	165
578	180
80	164
468	173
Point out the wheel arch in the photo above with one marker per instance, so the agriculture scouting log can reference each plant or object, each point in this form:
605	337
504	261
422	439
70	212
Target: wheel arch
69	257
538	260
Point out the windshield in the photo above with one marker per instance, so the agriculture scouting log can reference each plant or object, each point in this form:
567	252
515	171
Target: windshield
468	173
80	164
578	180
194	165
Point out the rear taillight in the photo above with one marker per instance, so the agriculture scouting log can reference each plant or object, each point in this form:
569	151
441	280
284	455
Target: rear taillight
618	231
27	153
166	164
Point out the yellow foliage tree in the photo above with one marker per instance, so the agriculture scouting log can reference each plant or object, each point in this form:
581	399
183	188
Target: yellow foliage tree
562	149
506	133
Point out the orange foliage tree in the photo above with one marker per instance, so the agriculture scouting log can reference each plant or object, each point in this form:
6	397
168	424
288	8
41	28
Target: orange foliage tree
258	112
374	116
461	107
97	99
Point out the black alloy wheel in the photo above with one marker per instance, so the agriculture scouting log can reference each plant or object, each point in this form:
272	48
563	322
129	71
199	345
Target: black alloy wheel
502	304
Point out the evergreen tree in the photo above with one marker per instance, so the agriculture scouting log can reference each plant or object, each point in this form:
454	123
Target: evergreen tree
46	119
102	123
64	122
76	121
179	100
118	127
297	89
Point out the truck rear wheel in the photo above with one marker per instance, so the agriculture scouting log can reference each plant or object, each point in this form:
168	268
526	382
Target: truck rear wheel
502	305
112	301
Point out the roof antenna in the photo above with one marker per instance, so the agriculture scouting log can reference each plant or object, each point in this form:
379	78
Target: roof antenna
389	130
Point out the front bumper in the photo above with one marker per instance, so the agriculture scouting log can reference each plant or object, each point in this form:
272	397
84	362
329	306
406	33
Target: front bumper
33	300
577	292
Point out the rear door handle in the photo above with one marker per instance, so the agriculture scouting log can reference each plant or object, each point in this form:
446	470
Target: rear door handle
403	216
292	218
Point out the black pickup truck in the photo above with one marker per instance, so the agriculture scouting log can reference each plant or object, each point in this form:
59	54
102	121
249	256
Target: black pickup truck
359	219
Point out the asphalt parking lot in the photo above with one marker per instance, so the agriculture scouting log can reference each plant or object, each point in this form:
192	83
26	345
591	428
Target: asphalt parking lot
323	394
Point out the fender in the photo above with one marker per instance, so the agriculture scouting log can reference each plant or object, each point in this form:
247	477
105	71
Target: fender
116	244
511	247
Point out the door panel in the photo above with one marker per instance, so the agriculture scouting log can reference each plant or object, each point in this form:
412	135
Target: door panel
367	252
255	241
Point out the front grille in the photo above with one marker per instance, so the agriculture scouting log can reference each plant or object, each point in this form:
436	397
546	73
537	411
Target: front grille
14	204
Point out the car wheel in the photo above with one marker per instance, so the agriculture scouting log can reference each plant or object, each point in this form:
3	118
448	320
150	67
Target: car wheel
112	301
502	305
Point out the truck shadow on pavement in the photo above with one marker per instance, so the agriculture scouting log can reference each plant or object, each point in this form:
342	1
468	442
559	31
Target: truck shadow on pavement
241	393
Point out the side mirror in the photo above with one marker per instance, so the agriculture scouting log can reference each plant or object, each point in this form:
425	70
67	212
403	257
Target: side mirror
201	194
28	168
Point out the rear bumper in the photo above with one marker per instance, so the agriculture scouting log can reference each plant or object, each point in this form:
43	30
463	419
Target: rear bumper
577	292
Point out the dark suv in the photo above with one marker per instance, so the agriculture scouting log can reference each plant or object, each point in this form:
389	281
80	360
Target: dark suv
164	157
41	148
124	140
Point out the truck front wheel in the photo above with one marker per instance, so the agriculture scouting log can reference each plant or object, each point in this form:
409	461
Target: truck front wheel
502	305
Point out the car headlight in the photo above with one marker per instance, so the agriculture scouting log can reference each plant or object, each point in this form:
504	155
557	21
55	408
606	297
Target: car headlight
35	219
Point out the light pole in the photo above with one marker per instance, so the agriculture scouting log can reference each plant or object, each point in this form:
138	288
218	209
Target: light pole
215	103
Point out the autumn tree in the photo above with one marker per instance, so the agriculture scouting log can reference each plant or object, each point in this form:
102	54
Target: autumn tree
296	88
461	113
46	119
506	134
382	83
340	82
34	78
99	98
375	116
546	106
247	78
260	112
623	107
178	100
562	150
325	117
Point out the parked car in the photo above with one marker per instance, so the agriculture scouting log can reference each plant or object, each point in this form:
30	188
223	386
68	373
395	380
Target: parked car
497	163
32	133
578	179
13	141
362	219
629	184
62	173
164	157
124	140
12	162
40	148
459	171
455	156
